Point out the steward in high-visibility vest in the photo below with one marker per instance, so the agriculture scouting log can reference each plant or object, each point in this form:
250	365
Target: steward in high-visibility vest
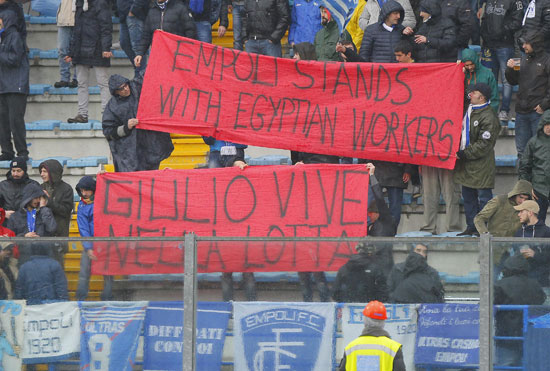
374	349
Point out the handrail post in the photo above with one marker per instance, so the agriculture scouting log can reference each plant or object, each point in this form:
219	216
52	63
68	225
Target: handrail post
189	302
485	303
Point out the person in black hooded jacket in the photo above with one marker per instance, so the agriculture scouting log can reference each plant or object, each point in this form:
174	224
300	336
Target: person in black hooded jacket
435	41
60	201
415	281
533	77
361	279
32	208
14	87
132	149
515	288
167	15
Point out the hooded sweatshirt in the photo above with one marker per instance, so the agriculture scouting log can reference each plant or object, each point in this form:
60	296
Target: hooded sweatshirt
45	225
534	165
499	217
533	77
132	149
61	196
480	74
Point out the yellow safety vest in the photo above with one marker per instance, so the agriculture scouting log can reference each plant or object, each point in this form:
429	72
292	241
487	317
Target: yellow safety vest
370	353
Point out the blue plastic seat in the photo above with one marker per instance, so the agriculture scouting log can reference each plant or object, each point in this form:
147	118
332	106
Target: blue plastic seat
42	125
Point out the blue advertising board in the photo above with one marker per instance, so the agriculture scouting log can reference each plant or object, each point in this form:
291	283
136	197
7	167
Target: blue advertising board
448	335
163	340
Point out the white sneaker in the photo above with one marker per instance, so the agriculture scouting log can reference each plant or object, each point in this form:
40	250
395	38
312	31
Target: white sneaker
503	116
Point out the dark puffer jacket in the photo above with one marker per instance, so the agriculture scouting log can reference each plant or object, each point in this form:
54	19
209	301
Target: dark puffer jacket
500	21
265	19
534	165
41	279
360	280
533	77
45	223
515	289
92	33
419	284
14	64
132	149
175	18
440	32
378	42
463	17
11	191
61	196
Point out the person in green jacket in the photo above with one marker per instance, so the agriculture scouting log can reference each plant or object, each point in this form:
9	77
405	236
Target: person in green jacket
500	218
534	165
475	73
475	168
327	37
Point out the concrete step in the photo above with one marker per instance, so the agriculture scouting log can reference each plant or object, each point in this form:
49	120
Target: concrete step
59	107
44	36
46	70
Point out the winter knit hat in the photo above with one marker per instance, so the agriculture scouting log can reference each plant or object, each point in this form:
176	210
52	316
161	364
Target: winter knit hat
20	163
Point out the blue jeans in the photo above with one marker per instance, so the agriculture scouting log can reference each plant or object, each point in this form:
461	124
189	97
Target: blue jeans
264	47
526	128
500	57
64	35
474	201
395	198
130	36
204	31
84	281
238	26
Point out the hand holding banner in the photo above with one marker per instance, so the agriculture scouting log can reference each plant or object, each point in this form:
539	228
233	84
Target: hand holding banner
262	201
408	113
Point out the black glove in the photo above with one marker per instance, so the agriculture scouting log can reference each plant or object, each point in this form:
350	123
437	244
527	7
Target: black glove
460	154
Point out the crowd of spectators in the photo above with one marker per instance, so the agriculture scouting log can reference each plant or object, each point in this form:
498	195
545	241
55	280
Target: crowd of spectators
380	31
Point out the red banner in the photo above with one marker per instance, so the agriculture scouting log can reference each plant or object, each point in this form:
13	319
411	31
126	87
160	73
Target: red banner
409	113
262	201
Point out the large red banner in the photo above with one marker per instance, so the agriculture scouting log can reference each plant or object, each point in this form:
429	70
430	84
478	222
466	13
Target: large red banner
410	113
263	201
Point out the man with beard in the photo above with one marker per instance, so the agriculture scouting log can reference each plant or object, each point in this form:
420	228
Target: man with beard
11	188
327	37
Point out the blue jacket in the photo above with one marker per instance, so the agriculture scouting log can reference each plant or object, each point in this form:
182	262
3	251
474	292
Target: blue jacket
378	42
41	278
305	21
85	220
14	64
